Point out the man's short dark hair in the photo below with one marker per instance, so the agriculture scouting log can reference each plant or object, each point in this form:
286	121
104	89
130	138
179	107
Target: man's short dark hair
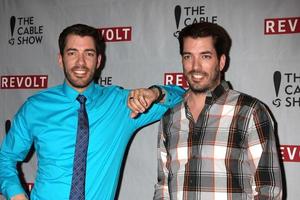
81	30
222	40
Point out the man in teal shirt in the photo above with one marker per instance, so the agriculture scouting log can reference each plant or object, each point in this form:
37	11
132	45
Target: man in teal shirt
49	121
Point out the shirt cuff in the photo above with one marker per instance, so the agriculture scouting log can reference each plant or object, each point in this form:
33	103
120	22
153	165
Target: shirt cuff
174	95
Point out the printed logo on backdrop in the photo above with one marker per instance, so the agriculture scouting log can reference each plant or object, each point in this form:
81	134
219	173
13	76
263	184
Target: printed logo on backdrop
116	34
24	82
186	15
287	89
290	153
175	79
105	81
25	31
113	34
282	26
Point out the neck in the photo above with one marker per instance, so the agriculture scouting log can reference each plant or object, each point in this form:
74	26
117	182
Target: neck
78	89
196	103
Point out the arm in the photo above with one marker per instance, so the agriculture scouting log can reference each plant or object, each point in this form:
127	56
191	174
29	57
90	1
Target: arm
14	148
161	187
263	151
140	100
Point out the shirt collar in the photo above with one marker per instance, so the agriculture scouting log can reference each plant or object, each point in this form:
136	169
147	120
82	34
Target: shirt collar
72	94
213	95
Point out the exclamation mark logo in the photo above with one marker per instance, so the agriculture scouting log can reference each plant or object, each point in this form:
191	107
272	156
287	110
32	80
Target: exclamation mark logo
277	82
12	25
177	14
12	29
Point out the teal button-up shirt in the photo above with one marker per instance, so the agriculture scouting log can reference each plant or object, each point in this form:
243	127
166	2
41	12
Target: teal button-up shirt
49	121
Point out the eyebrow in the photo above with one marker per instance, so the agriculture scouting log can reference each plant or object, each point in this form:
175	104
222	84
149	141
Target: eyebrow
90	50
203	52
206	52
73	49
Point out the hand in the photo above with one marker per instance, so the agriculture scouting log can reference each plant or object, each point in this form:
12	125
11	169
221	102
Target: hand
19	197
139	100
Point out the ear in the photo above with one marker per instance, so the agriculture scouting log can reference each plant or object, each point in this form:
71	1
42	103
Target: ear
60	60
222	62
99	61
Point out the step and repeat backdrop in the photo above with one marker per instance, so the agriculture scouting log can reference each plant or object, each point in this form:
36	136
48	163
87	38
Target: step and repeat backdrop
142	49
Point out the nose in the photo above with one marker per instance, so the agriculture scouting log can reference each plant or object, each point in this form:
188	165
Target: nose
197	64
80	60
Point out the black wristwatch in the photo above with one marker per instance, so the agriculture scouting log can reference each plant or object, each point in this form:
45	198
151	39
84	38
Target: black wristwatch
161	94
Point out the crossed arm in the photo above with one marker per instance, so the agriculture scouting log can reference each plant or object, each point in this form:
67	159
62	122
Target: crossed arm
139	100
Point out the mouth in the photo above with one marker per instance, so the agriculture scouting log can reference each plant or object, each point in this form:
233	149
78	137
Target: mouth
196	76
80	72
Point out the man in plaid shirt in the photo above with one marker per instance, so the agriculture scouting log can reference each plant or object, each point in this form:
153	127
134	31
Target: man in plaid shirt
218	143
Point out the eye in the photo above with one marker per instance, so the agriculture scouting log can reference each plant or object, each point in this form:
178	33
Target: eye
186	57
90	53
206	56
70	53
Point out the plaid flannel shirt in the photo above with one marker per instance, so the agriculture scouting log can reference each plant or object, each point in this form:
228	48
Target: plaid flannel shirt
229	153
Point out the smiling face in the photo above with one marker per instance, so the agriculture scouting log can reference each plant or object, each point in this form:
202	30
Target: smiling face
79	61
201	66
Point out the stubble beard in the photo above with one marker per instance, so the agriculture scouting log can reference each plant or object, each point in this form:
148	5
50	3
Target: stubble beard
198	89
78	82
